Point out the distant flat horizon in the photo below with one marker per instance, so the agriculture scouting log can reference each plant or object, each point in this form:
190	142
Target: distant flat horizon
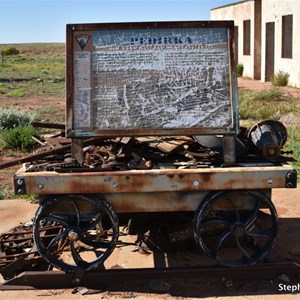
44	21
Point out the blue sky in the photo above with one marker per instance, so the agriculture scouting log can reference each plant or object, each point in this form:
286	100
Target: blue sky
23	21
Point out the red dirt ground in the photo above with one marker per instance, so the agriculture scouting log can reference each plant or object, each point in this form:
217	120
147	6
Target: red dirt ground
287	248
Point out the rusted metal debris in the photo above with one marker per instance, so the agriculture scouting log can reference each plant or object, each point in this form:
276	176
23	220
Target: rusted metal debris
48	125
18	251
55	150
135	154
117	154
142	153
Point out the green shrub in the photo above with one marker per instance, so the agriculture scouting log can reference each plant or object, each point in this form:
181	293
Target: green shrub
239	70
10	51
2	194
10	118
280	78
19	138
5	193
15	93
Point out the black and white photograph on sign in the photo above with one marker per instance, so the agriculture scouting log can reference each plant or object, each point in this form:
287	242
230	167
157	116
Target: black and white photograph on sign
167	78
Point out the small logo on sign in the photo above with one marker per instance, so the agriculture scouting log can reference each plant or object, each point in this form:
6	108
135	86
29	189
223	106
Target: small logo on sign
82	40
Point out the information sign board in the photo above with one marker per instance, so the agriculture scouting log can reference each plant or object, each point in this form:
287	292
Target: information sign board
150	78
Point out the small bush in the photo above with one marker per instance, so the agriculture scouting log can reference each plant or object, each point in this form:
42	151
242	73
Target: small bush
15	93
10	119
280	78
19	138
2	194
10	51
5	193
239	70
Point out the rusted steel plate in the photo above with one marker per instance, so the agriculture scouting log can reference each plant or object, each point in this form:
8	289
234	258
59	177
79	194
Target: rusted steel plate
152	78
155	201
59	279
48	125
153	180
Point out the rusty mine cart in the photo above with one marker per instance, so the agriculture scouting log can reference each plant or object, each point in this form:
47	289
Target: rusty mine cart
153	123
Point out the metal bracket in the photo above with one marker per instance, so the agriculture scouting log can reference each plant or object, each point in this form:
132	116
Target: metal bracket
20	186
291	179
79	274
229	153
77	150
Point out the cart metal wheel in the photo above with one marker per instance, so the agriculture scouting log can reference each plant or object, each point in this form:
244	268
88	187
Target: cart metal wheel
236	228
88	231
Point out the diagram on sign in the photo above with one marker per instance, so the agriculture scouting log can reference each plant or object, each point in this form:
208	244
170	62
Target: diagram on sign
176	78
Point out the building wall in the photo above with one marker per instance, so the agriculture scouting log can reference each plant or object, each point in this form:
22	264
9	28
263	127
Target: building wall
238	13
261	12
272	11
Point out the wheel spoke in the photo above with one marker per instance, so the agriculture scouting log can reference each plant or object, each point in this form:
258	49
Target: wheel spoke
261	233
215	221
77	213
248	223
96	244
77	258
242	248
219	242
55	240
56	219
95	222
237	214
91	225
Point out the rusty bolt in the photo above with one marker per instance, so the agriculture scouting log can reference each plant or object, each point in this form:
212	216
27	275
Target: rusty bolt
20	181
40	186
76	281
195	183
272	152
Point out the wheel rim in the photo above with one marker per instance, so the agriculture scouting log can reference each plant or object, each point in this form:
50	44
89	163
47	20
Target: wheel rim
86	233
236	228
